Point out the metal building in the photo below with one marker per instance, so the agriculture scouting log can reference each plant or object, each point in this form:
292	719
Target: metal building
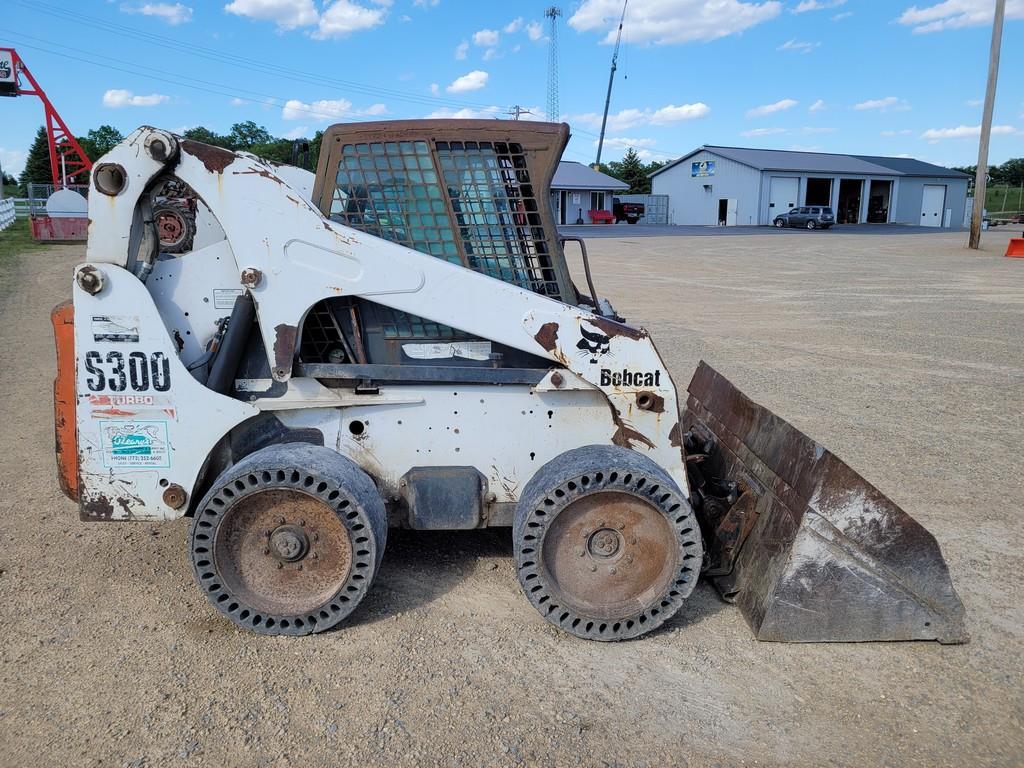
730	186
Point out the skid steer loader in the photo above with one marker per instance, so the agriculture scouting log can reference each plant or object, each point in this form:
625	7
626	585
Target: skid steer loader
397	342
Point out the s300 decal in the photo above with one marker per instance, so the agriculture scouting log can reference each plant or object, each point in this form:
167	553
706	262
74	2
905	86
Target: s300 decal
138	373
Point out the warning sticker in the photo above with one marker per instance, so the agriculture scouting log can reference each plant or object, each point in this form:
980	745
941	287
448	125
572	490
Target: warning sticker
224	298
123	328
134	444
468	350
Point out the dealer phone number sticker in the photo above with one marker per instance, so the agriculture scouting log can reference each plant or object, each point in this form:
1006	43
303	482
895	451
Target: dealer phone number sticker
135	444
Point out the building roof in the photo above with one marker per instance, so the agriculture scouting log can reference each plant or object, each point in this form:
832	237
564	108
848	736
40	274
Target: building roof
573	175
822	162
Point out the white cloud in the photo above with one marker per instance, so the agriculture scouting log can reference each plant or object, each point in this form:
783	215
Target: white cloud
794	45
300	132
426	3
435	88
461	50
467	113
904	132
673	114
13	161
627	142
328	109
814	129
286	14
338	19
344	17
118	97
843	15
955	14
485	38
471	81
817	5
513	26
673	21
770	109
628	118
974	102
170	13
535	31
762	132
817	106
888	103
963	132
237	102
405	18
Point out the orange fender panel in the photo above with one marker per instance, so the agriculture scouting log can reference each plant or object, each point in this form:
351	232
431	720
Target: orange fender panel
1015	247
64	422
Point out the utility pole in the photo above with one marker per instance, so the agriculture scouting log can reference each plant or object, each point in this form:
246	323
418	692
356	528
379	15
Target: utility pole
515	111
981	172
611	79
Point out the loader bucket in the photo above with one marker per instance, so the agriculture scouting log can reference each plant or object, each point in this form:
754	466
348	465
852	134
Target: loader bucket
807	549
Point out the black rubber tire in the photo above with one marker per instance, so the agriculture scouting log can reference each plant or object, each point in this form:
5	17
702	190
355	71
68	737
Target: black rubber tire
303	470
187	222
812	224
779	223
585	472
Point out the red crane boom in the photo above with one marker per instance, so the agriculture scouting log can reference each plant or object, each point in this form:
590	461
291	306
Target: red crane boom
67	158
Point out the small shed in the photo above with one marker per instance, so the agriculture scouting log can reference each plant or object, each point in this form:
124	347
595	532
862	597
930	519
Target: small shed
577	189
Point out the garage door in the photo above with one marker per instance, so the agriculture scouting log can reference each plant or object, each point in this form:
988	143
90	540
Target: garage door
932	203
782	195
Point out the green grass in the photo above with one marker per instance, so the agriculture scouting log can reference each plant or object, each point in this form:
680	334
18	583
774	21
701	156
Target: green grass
17	239
1001	198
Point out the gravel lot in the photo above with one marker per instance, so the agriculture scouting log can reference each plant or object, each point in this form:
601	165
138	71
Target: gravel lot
902	354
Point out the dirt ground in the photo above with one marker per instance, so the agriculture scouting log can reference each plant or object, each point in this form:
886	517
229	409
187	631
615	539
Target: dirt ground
902	354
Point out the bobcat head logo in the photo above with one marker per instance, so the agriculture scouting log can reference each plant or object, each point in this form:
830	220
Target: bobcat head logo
593	343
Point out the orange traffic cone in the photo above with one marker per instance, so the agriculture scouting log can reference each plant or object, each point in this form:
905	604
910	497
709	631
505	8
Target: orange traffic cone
1015	247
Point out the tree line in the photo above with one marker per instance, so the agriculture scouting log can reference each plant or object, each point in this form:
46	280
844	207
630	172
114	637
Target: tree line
1010	173
250	137
247	136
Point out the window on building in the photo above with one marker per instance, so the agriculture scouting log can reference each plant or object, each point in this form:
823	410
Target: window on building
597	201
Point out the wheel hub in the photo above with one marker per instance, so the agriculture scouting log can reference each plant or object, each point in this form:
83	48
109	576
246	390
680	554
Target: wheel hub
170	226
604	543
605	552
289	543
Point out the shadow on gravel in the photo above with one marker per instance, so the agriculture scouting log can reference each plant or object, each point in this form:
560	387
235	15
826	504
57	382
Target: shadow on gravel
421	566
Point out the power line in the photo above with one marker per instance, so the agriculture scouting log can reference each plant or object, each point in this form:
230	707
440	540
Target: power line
241	62
243	94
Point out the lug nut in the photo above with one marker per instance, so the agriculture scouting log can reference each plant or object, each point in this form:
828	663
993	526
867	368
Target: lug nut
593	567
280	566
578	551
302	523
266	551
633	540
280	521
612	569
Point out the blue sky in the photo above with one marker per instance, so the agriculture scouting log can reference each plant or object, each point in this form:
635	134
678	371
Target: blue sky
866	76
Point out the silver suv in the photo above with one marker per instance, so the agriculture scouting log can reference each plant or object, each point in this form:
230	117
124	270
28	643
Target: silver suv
809	216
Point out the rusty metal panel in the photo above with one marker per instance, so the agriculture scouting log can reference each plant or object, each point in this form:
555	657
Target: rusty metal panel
808	549
64	424
62	228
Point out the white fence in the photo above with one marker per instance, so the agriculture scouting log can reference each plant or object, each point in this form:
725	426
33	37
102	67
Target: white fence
6	212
